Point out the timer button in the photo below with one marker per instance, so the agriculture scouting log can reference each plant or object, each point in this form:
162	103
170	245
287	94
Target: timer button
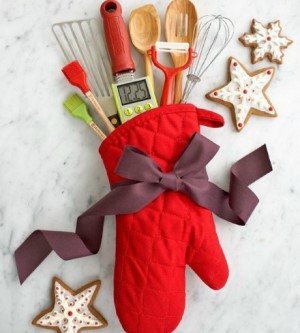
148	106
128	112
138	109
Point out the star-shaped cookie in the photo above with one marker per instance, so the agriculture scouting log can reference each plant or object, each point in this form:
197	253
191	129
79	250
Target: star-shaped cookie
245	93
72	311
266	42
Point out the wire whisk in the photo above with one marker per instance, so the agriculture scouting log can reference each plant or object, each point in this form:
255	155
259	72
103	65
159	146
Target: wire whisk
211	35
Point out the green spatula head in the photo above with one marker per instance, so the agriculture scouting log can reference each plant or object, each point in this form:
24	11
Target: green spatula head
78	108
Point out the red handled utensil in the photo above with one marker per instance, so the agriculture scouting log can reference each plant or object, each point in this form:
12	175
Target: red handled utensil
170	72
132	96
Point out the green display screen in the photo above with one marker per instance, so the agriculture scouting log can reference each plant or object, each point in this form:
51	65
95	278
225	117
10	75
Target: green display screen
133	92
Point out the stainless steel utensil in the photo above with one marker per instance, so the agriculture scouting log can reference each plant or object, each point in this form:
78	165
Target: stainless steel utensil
212	33
82	40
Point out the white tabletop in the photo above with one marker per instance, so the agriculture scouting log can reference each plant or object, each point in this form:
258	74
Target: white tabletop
50	172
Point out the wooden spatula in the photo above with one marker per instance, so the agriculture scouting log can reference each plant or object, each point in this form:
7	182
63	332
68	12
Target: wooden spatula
180	19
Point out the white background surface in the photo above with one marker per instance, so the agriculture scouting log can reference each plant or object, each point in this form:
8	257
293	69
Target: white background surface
50	172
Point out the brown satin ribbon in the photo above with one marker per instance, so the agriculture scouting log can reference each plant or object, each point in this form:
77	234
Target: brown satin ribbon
145	181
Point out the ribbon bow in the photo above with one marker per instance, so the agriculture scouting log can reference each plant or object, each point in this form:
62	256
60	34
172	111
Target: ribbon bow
144	182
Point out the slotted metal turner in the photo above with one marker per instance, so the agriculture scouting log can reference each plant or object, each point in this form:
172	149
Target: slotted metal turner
82	40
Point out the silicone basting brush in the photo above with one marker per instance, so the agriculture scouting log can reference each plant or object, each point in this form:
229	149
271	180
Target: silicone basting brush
78	109
77	77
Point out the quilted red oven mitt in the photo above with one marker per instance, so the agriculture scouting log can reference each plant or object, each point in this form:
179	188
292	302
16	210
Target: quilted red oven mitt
154	245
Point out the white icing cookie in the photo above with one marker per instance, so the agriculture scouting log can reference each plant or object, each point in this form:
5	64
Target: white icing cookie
72	311
266	42
245	93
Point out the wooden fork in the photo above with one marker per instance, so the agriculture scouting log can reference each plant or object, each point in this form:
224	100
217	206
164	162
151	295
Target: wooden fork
180	19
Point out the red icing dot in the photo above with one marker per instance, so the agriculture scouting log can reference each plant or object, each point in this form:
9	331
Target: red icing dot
270	108
90	317
56	288
78	310
57	322
269	72
269	38
90	291
215	93
59	303
48	317
245	91
70	313
74	326
80	322
88	323
240	124
65	320
61	292
235	64
64	327
41	322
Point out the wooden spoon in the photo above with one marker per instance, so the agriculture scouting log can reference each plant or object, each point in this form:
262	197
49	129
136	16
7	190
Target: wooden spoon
180	20
144	30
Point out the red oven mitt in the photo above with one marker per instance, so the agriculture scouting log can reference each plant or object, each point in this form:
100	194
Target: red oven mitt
155	244
168	230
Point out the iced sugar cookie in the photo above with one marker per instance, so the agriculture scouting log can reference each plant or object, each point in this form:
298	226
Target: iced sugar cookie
245	94
71	311
266	42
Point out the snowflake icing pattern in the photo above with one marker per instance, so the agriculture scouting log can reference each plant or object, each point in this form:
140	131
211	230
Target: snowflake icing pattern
266	42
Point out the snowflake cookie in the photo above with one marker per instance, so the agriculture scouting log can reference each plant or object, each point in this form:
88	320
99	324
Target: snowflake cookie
266	42
245	93
72	311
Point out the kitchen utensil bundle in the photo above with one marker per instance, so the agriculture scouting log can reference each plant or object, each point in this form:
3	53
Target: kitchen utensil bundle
144	29
170	73
82	40
78	109
156	166
180	20
212	33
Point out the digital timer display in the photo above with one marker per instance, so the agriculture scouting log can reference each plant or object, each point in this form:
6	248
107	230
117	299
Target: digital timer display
133	92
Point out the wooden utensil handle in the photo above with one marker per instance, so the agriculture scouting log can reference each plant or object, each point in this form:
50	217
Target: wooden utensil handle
100	111
178	88
97	130
116	36
148	68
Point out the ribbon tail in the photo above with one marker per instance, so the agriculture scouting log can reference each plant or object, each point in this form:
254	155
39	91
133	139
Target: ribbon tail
87	238
237	205
243	173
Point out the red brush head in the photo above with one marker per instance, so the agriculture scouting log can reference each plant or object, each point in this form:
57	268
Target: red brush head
76	76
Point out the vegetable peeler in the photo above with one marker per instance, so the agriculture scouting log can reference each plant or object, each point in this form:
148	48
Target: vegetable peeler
169	72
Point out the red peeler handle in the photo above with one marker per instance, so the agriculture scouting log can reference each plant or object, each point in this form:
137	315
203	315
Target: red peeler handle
116	36
170	73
